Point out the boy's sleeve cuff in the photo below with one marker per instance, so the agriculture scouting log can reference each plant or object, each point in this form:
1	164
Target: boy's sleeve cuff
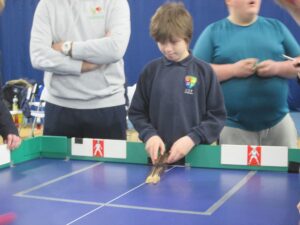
147	136
196	138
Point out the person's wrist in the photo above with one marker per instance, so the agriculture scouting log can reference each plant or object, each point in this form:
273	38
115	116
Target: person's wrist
67	48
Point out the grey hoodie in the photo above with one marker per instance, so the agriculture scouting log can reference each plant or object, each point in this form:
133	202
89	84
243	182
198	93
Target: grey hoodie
85	23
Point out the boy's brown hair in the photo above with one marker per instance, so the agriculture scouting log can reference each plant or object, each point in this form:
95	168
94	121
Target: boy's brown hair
171	21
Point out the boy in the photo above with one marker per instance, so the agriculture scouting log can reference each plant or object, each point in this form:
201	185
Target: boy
178	102
245	50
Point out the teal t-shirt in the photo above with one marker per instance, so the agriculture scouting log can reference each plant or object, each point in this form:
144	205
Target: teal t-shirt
252	103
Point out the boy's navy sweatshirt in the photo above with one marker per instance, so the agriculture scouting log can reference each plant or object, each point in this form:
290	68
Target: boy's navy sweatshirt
175	99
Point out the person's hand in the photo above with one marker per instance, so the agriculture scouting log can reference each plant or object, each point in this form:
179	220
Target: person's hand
86	67
298	206
245	67
13	141
296	64
289	4
57	46
293	8
268	68
154	145
180	149
107	34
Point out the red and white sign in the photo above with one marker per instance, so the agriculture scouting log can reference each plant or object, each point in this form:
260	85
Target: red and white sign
98	148
104	148
252	155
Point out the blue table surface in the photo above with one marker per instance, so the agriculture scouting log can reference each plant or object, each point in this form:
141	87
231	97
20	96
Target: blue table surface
51	191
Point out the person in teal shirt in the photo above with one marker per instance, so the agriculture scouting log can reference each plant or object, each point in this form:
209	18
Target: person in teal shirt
245	50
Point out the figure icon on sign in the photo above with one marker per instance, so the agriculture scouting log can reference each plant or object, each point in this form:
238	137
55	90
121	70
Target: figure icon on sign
98	148
254	155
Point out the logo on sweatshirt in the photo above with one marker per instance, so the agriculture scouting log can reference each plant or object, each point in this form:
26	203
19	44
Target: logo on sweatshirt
96	9
190	82
93	10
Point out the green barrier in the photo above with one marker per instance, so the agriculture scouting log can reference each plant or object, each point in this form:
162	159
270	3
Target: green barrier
29	149
206	156
55	147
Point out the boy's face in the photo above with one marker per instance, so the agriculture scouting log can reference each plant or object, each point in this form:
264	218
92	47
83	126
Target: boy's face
244	8
175	50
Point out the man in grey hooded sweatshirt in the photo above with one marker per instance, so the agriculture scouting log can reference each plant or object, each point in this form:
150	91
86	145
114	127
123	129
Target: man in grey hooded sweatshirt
80	45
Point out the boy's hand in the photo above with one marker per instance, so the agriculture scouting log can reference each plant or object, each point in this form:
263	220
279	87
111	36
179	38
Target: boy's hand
13	141
268	68
298	206
296	64
245	68
180	149
154	145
